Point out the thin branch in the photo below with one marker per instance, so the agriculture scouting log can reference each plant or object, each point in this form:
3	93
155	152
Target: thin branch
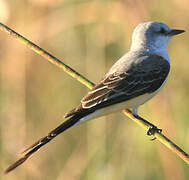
139	120
159	136
47	56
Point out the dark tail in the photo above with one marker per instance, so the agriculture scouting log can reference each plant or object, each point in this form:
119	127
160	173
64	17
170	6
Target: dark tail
41	142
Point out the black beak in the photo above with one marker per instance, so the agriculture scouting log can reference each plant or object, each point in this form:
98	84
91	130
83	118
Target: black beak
174	32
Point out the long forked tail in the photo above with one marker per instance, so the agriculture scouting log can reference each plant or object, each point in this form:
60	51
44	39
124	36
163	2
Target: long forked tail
41	142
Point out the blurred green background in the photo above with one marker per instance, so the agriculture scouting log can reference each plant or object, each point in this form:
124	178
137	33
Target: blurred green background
88	35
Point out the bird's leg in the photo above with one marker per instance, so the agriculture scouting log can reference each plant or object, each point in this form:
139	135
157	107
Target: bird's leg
152	128
135	112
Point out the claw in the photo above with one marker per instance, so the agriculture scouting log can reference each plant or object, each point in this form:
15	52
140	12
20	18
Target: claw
153	139
152	130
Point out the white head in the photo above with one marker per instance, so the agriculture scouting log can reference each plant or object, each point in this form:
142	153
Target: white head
152	36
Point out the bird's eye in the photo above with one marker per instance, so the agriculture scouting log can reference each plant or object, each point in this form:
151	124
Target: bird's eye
162	31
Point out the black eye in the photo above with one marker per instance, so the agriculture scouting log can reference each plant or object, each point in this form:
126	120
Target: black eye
162	31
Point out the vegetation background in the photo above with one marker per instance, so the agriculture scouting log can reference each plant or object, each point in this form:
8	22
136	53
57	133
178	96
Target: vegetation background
88	35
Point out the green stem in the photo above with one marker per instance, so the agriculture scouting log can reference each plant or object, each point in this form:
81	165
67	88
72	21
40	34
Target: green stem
52	59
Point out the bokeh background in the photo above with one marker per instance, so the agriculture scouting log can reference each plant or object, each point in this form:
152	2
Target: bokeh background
88	35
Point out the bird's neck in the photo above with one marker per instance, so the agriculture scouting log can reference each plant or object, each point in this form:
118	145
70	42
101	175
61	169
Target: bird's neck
161	51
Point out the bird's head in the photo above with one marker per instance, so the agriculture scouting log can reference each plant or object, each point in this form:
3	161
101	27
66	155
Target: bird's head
152	35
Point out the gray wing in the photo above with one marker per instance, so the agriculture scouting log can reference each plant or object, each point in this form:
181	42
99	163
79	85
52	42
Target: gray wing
143	76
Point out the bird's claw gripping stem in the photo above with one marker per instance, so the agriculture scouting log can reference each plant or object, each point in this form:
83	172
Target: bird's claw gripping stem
152	130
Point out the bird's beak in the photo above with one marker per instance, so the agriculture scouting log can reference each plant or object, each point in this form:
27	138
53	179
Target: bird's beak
174	32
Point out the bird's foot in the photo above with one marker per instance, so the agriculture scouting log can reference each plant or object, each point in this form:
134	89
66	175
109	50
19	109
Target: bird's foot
152	130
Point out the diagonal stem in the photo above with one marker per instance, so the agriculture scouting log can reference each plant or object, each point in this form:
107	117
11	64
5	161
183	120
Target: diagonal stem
52	59
139	120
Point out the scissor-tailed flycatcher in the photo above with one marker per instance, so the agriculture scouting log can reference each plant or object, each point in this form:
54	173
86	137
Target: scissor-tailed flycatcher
132	80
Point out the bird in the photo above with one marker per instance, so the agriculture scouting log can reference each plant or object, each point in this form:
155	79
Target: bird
133	80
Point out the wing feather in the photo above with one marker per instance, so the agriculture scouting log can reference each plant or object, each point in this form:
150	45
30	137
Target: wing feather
145	75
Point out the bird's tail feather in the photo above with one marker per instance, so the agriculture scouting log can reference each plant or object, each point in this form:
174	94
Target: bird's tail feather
41	142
